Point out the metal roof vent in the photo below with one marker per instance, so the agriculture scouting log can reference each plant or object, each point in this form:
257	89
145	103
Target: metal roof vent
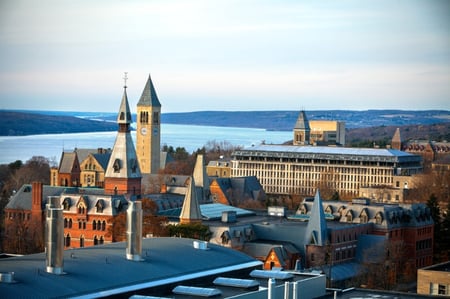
7	277
54	236
202	245
134	231
281	275
196	291
237	283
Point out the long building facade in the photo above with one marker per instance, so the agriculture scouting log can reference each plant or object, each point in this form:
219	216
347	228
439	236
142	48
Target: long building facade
287	169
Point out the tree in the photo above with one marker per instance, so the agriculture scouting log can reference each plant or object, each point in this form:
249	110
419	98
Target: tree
190	230
435	211
35	169
151	223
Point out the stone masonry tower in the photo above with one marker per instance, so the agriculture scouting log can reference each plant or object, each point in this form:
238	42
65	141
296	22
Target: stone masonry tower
148	135
123	176
301	130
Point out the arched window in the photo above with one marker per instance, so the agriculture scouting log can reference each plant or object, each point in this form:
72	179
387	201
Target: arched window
66	204
94	225
103	225
99	206
101	240
70	223
65	222
95	240
82	241
67	240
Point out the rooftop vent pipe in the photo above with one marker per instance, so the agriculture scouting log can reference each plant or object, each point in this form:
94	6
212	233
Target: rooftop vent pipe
134	231
54	236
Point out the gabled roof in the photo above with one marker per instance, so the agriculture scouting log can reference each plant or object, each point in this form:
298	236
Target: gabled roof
68	159
102	159
22	199
149	97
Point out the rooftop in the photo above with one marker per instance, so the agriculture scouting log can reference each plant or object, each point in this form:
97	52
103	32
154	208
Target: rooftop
104	270
328	152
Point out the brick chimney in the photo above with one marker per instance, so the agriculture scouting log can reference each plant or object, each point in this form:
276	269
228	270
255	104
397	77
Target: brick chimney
36	197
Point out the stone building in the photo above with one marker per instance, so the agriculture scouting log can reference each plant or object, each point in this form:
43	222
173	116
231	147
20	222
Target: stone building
301	168
327	132
434	280
285	169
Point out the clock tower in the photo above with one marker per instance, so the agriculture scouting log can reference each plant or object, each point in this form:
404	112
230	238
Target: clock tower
148	134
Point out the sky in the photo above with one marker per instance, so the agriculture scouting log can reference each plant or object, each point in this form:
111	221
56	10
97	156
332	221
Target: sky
232	55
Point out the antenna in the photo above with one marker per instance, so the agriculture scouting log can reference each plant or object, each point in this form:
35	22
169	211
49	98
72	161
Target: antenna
125	78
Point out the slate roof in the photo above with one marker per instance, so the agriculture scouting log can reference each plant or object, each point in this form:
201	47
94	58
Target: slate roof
67	162
102	159
149	97
112	205
302	121
103	270
21	200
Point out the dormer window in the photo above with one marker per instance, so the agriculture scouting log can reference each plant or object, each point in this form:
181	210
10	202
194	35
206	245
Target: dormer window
349	216
122	116
379	218
99	206
116	165
364	218
66	204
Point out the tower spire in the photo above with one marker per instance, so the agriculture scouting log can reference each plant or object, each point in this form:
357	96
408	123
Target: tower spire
123	174
125	78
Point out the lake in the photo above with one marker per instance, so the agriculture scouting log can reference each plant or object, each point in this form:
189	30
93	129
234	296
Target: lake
14	148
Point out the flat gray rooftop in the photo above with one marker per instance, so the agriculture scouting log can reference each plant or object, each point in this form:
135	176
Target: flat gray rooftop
100	271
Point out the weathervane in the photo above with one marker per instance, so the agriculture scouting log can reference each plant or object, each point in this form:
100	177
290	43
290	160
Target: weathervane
125	78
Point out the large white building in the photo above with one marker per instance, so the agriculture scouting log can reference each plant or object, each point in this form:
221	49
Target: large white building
301	168
287	169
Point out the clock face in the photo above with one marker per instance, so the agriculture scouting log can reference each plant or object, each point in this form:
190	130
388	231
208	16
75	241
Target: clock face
143	131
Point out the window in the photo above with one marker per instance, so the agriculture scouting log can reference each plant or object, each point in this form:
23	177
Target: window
103	225
379	218
95	240
155	118
312	257
94	225
82	241
67	240
99	206
116	165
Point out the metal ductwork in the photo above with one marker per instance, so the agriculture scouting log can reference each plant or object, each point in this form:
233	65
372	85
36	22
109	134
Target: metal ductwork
134	231
54	236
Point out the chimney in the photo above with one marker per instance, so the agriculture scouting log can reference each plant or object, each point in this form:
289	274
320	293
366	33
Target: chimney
134	231
54	236
36	195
